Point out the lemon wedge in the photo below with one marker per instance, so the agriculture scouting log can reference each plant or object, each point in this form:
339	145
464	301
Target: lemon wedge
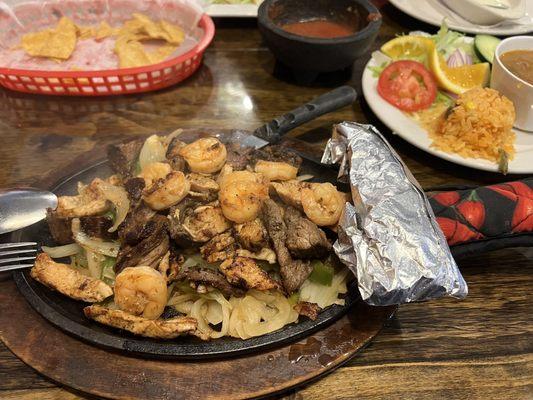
408	48
458	79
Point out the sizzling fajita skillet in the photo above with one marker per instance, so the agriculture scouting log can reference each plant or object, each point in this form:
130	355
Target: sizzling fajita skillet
68	314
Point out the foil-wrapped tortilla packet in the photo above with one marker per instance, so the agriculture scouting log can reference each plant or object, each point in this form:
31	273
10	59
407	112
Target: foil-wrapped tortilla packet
389	238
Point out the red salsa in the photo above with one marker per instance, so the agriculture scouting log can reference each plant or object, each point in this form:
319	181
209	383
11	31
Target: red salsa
319	28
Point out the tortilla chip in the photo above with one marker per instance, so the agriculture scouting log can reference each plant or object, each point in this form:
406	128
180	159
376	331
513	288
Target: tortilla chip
104	30
84	32
130	53
58	43
174	33
141	23
161	53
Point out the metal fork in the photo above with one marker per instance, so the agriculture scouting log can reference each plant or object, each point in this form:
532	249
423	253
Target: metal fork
17	255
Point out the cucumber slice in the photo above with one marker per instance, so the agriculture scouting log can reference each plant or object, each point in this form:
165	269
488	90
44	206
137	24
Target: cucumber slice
486	46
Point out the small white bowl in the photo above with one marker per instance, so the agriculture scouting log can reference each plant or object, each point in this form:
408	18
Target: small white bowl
517	90
486	12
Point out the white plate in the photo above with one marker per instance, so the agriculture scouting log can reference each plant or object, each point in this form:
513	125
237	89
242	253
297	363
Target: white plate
413	133
232	10
433	12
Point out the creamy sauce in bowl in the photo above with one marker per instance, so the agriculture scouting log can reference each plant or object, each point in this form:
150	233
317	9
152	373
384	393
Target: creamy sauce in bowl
520	63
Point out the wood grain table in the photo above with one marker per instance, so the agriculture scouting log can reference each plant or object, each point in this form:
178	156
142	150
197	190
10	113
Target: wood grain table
478	348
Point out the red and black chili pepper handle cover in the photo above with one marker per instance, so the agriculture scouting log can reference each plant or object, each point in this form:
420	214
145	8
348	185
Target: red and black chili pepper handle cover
486	218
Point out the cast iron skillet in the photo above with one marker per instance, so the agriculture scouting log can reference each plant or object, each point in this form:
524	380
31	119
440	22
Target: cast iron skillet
67	313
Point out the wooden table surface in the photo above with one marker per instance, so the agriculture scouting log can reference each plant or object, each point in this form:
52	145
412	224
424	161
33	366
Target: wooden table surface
478	348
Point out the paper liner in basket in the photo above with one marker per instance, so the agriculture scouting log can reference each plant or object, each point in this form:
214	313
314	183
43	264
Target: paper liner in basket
20	17
390	238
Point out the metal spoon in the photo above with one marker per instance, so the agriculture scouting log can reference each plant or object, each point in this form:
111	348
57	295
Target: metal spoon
21	207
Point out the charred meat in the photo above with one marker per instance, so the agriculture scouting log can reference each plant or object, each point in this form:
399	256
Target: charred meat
304	239
238	157
98	226
149	251
139	224
276	153
123	157
310	310
134	187
176	161
293	272
211	277
60	228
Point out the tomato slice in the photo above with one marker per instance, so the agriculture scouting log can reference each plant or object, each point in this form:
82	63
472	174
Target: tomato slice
407	85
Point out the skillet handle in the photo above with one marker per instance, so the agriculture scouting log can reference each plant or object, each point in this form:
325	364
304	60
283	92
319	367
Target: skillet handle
330	101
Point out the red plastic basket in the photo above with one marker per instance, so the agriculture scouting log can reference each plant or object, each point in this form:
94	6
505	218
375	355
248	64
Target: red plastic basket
113	81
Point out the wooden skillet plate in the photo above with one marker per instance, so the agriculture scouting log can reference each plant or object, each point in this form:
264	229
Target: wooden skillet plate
67	314
94	370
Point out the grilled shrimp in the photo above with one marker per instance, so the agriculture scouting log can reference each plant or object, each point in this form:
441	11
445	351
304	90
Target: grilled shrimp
167	192
322	203
154	171
241	195
141	291
276	171
205	156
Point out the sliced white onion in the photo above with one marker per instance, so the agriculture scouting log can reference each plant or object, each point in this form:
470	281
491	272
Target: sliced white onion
62	251
152	151
304	177
322	295
93	244
174	134
119	197
94	263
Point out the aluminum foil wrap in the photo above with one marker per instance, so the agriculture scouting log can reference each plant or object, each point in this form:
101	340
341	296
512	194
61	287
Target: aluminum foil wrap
389	238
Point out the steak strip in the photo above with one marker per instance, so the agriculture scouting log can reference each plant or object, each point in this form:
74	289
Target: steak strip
293	272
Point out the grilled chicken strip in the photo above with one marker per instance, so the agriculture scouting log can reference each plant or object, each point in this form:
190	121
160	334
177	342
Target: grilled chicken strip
252	235
193	222
290	192
220	248
89	201
244	272
159	328
69	281
265	254
203	188
293	272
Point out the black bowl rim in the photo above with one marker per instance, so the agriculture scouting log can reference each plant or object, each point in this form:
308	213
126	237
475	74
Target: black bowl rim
369	29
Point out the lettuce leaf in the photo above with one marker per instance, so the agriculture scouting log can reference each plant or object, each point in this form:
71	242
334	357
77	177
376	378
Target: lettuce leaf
447	41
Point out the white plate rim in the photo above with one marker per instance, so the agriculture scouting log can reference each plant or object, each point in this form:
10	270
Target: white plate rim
405	6
232	10
414	134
